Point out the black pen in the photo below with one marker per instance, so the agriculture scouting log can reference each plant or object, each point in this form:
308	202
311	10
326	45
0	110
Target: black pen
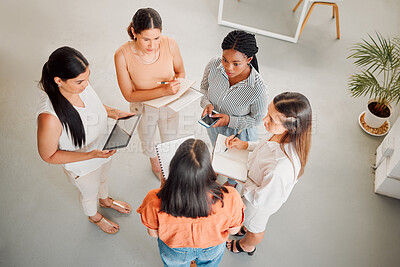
236	135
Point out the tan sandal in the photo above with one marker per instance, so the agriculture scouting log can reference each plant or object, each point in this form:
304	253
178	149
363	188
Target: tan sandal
114	202
106	221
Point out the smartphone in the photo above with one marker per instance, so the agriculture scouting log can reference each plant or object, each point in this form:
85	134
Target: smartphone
208	121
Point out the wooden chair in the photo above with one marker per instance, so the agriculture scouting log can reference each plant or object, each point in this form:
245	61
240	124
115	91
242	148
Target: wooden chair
321	2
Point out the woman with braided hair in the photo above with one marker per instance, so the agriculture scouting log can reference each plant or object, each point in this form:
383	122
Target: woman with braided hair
233	87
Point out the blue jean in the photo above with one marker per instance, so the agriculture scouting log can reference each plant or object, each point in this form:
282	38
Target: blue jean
248	134
176	257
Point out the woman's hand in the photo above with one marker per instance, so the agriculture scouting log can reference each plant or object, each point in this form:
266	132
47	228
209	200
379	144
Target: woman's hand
223	121
173	87
115	114
101	153
233	141
207	110
121	114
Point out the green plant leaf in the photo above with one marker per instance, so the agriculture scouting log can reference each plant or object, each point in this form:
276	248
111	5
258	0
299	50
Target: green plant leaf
379	60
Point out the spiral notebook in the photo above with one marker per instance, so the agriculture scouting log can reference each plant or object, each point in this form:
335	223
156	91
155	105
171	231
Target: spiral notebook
166	151
231	163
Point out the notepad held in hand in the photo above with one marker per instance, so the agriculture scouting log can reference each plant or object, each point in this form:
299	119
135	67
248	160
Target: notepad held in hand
232	163
165	100
166	151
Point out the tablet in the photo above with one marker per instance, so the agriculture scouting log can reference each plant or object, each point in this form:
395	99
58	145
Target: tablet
122	132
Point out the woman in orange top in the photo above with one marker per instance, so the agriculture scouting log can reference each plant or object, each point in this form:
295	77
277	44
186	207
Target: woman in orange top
142	64
192	215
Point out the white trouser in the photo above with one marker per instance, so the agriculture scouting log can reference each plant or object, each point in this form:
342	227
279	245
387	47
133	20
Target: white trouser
168	124
91	186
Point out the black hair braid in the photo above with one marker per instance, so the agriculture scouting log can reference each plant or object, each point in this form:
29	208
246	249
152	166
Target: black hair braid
244	43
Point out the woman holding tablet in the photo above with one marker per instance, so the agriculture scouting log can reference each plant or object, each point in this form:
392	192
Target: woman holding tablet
276	164
147	68
72	122
233	87
192	215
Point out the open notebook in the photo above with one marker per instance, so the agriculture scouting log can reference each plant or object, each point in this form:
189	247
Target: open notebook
185	100
232	163
165	100
166	151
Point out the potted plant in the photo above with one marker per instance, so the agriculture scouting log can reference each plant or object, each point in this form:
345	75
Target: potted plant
379	60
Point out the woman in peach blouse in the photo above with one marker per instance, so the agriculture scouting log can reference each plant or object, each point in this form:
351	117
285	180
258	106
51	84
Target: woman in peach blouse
142	64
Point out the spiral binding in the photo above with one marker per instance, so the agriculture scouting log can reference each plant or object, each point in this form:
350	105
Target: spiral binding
161	165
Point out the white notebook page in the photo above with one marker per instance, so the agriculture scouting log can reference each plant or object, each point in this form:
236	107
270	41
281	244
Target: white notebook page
232	163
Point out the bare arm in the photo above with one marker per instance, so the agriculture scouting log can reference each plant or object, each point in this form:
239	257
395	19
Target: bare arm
129	91
153	233
179	69
234	230
48	134
115	114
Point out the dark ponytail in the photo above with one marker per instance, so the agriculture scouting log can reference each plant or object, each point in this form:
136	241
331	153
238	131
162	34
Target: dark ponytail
65	63
244	43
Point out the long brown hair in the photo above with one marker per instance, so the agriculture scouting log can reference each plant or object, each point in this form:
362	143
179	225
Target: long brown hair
297	119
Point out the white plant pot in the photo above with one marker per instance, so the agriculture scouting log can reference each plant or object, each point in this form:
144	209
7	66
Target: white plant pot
374	121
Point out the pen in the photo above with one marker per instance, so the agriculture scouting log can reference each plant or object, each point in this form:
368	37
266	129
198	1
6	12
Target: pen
162	82
236	135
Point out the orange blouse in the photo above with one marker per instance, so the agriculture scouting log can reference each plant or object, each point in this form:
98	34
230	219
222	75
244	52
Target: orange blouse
146	76
202	232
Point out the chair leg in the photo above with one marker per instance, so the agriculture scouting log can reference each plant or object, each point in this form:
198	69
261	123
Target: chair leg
298	3
333	11
337	20
305	20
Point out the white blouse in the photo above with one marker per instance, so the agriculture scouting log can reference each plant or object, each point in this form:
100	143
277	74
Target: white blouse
94	119
271	175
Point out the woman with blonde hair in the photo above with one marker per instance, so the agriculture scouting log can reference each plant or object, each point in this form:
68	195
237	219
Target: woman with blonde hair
276	164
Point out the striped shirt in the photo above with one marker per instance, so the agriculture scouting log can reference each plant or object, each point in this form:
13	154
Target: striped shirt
246	102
